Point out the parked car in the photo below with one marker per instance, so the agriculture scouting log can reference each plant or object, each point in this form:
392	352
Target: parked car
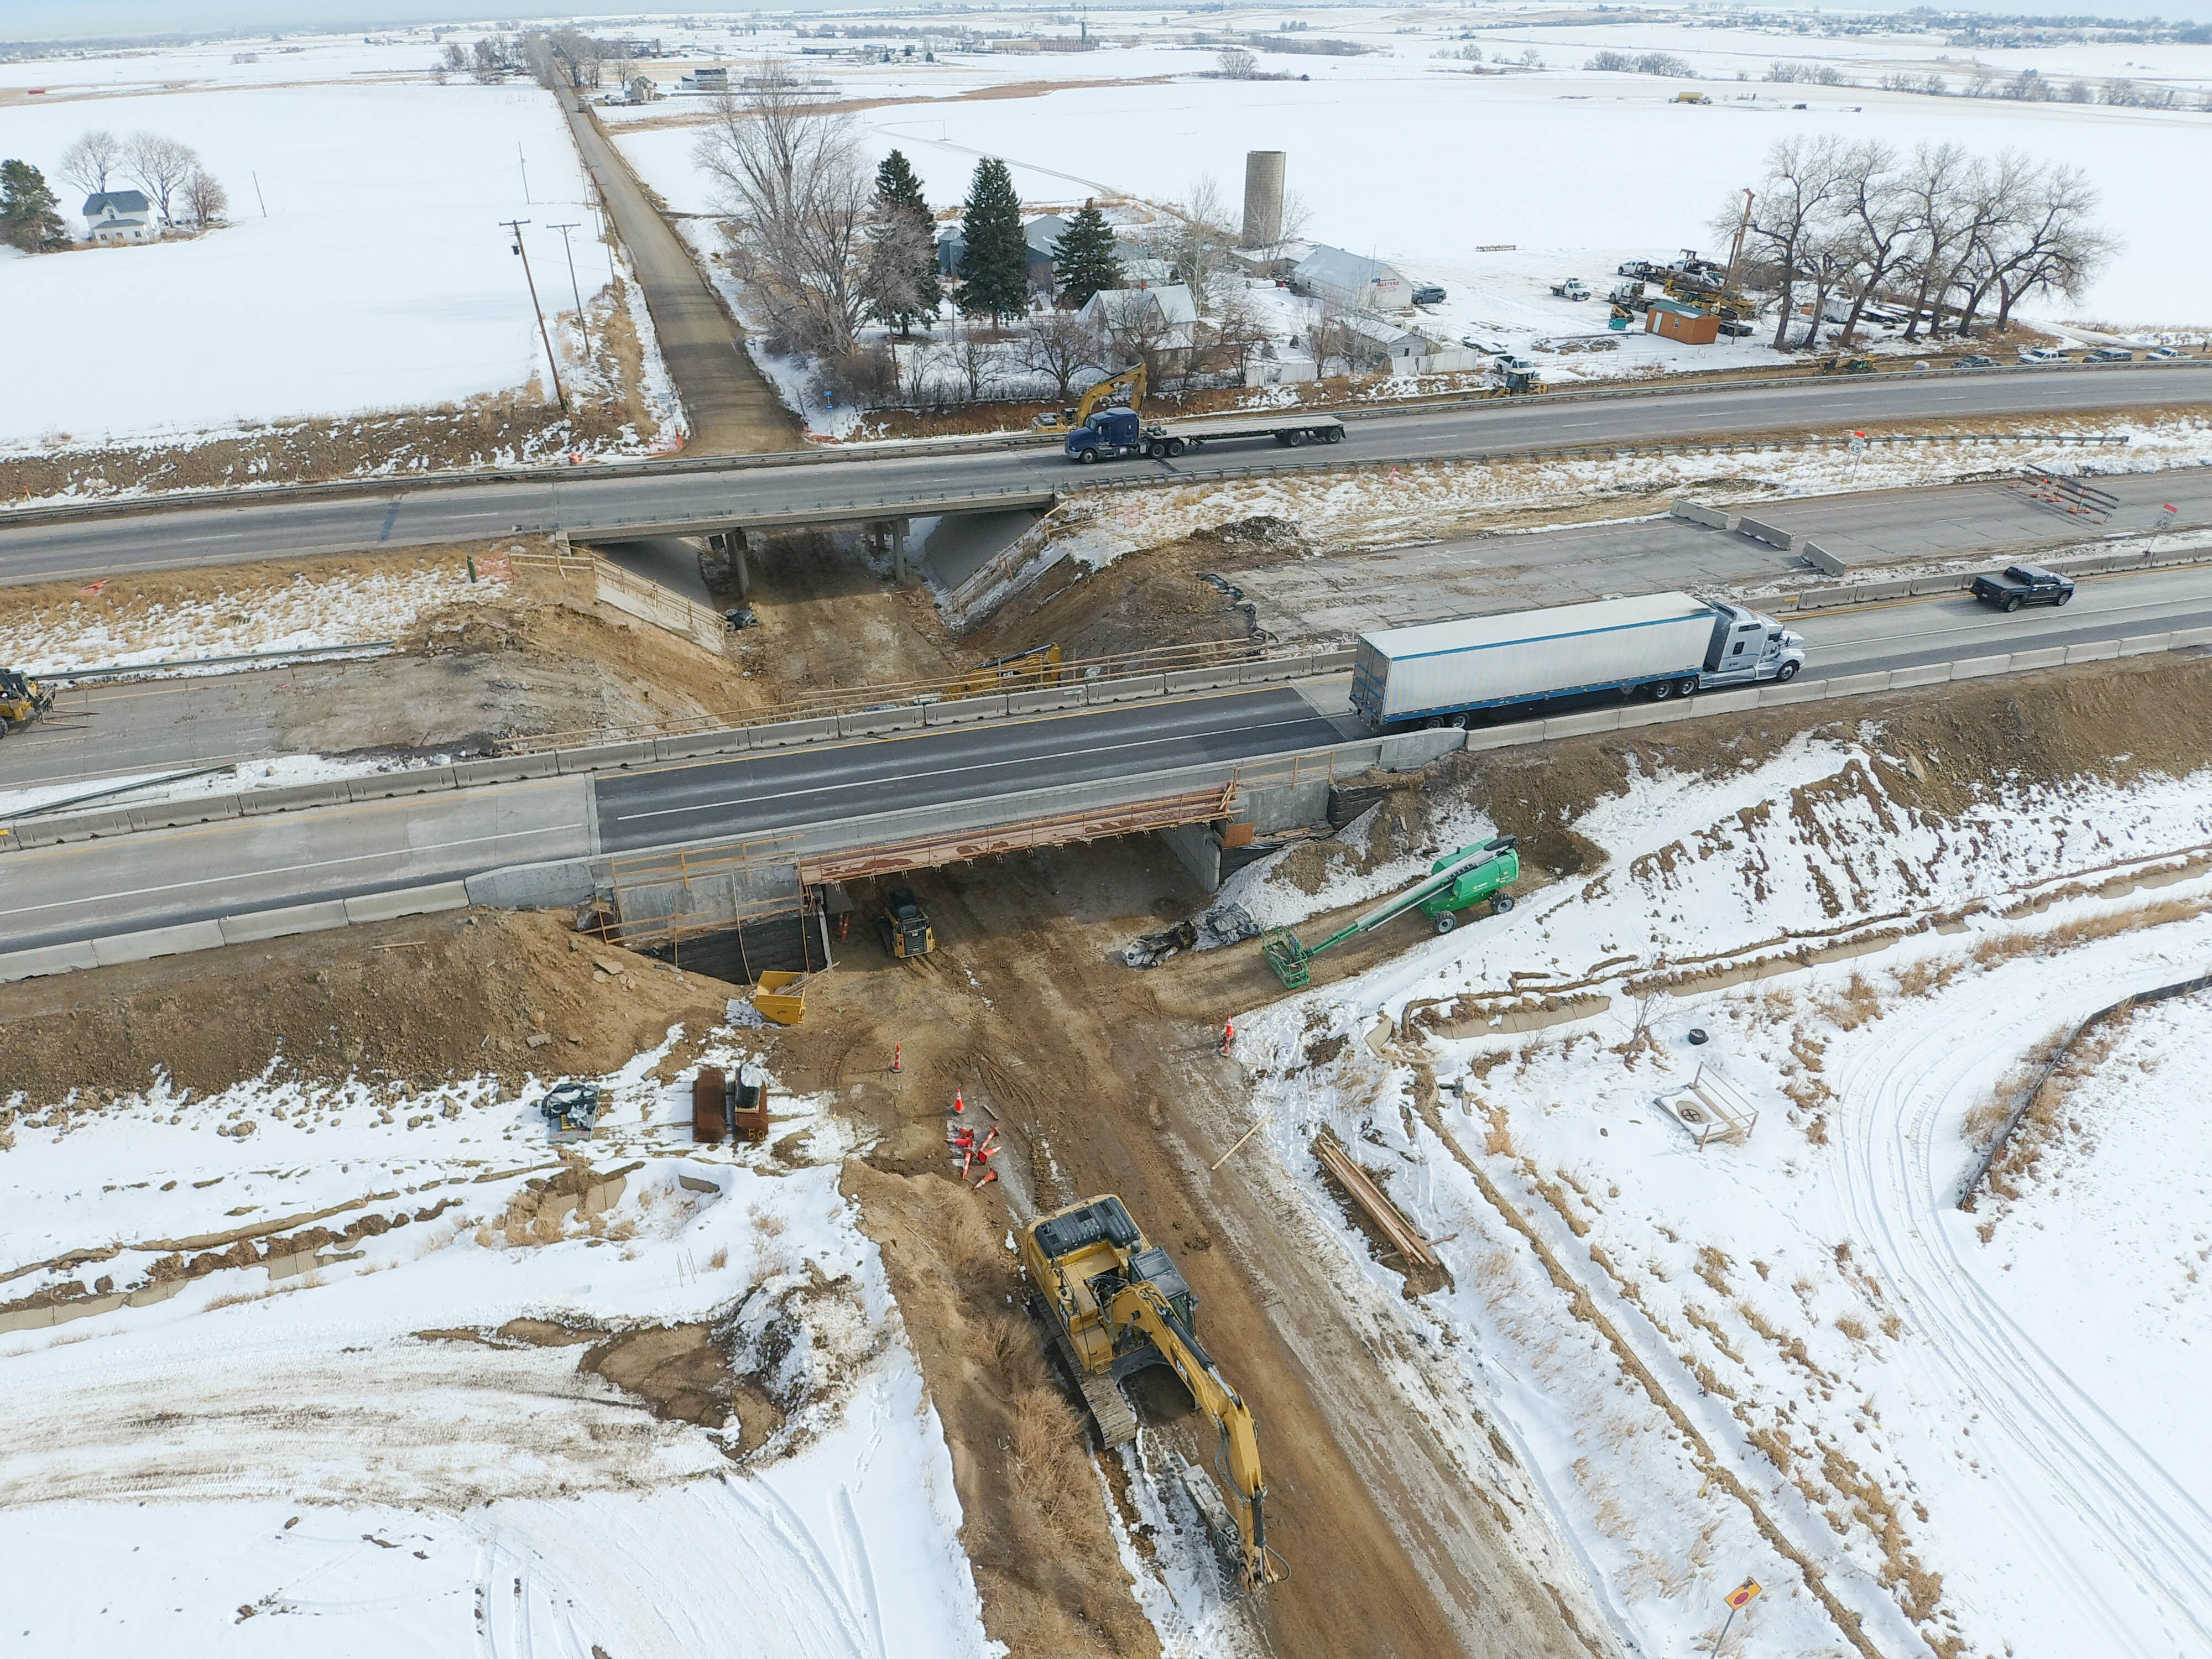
1634	268
2109	355
2161	354
1572	287
2024	584
1431	295
1974	360
2041	354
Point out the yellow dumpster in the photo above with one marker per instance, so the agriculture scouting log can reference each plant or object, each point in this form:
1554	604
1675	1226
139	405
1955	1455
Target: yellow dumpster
781	996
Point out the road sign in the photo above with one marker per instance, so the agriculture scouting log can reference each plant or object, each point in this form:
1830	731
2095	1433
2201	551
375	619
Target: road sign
1859	444
1743	1593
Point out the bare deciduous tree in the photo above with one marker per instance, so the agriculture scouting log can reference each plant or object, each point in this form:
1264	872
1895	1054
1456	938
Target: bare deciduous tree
1237	64
798	200
203	198
974	358
89	161
1878	219
158	165
1803	177
1061	345
1195	237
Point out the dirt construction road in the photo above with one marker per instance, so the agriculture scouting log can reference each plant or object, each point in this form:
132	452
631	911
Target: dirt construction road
731	408
1408	1530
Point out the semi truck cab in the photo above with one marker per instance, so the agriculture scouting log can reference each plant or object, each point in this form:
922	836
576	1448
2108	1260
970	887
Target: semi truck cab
1111	432
1747	647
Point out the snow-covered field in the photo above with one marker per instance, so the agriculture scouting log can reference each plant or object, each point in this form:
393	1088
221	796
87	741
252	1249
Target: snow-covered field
365	269
332	1459
1496	185
1794	1352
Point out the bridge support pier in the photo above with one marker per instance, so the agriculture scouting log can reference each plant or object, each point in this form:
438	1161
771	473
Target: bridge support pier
883	536
728	549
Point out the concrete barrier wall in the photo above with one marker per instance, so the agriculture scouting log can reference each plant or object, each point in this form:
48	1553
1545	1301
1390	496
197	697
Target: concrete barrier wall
1765	532
1698	514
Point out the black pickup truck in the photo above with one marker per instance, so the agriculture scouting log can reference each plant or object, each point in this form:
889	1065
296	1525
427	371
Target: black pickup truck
2024	584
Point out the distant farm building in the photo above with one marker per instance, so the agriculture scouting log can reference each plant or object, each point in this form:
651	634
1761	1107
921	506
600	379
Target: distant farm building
120	215
1348	282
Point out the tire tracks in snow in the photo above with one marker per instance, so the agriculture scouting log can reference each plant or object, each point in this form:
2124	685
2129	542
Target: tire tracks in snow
2067	1456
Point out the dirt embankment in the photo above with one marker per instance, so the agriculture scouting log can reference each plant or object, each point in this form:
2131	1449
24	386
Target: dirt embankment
415	1001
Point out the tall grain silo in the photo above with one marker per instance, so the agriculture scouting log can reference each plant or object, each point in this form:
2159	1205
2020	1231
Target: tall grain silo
1263	198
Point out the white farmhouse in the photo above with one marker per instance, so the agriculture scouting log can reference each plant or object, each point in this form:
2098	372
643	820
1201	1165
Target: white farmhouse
1159	324
120	215
1347	282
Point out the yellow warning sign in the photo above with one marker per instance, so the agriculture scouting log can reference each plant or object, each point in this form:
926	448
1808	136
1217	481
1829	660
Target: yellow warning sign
1743	1593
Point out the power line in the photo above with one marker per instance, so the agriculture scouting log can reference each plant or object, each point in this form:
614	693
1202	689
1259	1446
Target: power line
582	327
516	225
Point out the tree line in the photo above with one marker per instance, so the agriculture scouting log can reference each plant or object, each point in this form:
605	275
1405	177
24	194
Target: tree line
1944	234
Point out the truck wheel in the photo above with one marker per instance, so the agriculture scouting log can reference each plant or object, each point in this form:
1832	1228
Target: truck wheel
1295	436
1175	447
1501	904
1334	435
1662	689
1084	457
1787	671
2063	598
1446	921
1687	688
2013	604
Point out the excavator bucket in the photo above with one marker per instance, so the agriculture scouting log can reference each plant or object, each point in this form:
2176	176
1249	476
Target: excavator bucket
1287	957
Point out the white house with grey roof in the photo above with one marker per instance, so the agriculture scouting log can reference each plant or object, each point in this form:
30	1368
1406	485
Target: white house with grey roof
1348	282
120	215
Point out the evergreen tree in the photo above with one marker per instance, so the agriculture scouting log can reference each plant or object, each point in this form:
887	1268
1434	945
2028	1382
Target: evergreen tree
994	270
1083	258
27	216
906	235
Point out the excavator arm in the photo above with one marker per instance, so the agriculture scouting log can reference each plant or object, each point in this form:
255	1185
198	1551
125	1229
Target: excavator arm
1142	1305
1131	380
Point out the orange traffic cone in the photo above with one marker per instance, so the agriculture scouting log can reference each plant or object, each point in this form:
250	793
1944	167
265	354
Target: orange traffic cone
958	1104
898	1052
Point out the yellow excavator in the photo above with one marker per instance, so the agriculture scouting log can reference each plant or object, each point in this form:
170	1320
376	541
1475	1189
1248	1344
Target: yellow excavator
22	700
1130	382
1114	1303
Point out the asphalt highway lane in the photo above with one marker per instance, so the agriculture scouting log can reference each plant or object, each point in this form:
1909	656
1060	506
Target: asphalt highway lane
173	538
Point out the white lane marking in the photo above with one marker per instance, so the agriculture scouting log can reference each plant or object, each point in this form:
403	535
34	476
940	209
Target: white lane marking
289	869
941	772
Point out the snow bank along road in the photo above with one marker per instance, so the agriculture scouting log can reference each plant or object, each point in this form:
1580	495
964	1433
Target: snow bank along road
164	538
82	890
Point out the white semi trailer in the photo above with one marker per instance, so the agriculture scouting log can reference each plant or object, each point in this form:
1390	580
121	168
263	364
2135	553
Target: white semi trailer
1661	645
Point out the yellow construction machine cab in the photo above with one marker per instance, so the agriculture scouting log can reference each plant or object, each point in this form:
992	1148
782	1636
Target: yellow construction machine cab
1079	1259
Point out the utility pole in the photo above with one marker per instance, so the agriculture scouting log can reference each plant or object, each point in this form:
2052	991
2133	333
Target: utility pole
259	197
516	225
523	161
582	327
1735	253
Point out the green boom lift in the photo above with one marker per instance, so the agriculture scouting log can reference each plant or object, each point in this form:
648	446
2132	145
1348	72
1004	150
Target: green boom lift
1453	882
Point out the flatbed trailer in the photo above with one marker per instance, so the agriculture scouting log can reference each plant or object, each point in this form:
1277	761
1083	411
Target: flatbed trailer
1117	433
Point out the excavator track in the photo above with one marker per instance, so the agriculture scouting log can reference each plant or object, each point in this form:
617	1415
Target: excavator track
1109	1410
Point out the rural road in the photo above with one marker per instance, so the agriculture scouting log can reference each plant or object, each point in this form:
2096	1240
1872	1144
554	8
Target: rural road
731	409
81	888
604	498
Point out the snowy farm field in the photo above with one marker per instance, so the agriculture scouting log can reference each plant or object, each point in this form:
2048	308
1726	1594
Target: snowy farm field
1789	1354
349	1415
379	278
1404	157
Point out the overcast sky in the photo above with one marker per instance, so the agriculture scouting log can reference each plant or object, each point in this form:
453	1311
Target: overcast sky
36	19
